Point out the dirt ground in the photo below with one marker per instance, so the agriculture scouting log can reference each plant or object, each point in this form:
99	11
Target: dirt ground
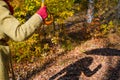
89	61
95	59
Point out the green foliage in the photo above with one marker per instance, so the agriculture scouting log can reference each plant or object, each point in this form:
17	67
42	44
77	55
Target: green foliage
39	45
60	9
103	6
106	28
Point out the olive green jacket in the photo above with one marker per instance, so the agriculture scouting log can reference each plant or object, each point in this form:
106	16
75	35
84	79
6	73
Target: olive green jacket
12	28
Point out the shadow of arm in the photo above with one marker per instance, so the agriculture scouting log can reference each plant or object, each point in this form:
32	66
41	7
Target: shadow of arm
89	73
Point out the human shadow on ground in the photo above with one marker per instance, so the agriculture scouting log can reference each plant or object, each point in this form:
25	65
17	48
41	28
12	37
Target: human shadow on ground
73	71
104	52
113	73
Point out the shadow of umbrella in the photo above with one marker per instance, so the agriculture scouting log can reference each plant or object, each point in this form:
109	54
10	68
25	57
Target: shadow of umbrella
104	52
73	71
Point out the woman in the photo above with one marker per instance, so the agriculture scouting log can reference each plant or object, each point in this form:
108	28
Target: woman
10	27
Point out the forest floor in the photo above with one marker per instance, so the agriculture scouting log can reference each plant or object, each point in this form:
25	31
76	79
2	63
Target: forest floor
93	59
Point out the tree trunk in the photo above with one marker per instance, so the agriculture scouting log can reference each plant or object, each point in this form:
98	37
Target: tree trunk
90	11
119	10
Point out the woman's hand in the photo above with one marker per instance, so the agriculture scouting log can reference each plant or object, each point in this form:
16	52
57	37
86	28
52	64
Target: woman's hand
43	12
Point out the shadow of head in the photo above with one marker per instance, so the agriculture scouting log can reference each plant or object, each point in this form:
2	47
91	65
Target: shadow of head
84	62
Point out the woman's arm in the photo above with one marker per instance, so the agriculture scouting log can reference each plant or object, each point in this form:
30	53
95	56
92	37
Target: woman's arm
12	27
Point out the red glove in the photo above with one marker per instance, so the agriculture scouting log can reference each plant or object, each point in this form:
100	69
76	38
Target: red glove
43	12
